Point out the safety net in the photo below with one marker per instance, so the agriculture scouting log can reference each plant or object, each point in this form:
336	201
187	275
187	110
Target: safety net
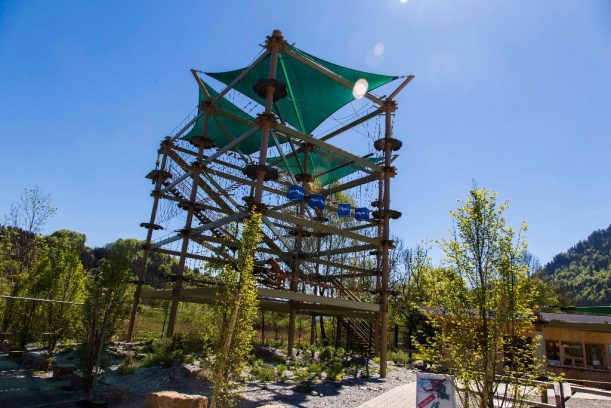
324	166
222	129
311	95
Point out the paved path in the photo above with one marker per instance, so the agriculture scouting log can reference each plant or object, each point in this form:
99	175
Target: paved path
398	397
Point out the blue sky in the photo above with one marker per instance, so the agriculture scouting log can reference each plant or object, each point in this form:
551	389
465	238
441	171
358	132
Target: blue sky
515	95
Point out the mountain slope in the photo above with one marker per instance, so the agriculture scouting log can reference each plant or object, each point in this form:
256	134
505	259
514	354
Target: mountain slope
582	275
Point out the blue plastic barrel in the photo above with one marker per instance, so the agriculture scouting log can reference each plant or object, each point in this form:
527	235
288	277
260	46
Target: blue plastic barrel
361	214
296	193
343	209
317	201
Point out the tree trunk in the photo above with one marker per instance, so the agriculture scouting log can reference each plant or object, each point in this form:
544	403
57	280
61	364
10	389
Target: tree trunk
323	334
313	329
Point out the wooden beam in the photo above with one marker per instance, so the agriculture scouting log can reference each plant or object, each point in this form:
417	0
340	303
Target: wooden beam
339	265
325	146
338	251
350	184
212	293
322	227
353	124
188	255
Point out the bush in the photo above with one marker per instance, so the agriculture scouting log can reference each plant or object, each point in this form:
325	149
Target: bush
329	352
304	380
265	372
315	370
399	357
126	368
281	373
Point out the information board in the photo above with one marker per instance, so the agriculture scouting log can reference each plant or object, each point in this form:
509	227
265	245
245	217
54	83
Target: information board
434	391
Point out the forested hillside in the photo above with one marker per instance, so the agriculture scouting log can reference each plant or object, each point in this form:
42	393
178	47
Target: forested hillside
581	275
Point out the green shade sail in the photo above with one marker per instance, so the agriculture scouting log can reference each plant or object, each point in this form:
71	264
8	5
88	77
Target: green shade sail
325	167
311	96
222	129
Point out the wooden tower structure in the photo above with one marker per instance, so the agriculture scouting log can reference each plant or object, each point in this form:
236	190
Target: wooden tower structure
227	161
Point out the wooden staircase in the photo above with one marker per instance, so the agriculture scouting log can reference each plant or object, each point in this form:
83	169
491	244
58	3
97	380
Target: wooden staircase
361	333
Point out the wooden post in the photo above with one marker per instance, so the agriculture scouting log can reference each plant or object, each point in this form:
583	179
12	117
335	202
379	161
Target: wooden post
389	108
262	327
396	336
186	232
165	146
274	43
297	254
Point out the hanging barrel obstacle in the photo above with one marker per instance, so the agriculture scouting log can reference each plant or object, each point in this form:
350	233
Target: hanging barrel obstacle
316	201
296	193
298	91
361	214
344	209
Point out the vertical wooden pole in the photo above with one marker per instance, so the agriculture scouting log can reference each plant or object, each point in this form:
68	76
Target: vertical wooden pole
389	108
378	322
274	44
196	169
297	255
262	327
165	146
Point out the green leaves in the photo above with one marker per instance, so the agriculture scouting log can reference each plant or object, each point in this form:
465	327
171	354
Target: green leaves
481	300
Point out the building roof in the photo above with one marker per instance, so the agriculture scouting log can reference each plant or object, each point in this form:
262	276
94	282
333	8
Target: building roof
577	321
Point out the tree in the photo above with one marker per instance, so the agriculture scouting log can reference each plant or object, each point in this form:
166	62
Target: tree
407	267
237	310
32	211
22	249
481	304
64	281
108	291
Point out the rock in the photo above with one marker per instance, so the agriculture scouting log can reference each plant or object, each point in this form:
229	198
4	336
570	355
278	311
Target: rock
191	370
63	371
420	365
173	399
314	393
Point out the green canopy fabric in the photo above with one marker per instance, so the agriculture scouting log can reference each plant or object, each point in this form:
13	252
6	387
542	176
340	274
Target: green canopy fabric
311	96
222	129
325	167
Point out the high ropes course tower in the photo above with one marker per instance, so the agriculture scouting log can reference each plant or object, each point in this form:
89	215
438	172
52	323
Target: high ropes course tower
260	144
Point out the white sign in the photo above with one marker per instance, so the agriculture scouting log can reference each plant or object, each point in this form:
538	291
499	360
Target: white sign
434	391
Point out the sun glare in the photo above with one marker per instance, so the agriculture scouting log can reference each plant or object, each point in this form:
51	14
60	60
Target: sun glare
360	88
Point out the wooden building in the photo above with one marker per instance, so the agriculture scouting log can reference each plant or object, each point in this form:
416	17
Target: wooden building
577	345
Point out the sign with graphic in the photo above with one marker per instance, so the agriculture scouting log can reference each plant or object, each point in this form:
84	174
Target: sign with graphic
434	391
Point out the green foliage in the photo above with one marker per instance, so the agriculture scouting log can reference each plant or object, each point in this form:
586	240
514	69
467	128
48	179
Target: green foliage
127	366
237	312
398	357
481	302
108	293
580	276
263	372
281	373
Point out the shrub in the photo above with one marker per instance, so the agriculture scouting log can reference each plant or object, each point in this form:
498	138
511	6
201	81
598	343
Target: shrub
399	357
314	369
304	380
264	372
126	368
281	373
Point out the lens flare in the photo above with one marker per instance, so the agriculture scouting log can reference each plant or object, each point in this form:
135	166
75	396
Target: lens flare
403	1
378	49
360	88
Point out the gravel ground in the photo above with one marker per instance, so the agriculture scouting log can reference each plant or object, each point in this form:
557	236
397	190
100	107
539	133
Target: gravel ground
348	393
